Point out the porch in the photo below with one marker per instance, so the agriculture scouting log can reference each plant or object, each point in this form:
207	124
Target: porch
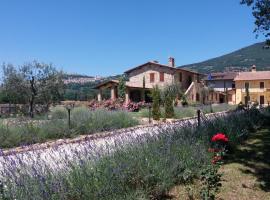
134	94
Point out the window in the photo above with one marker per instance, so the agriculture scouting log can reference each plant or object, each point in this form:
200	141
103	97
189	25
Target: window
233	85
261	85
152	77
216	96
180	77
247	85
161	76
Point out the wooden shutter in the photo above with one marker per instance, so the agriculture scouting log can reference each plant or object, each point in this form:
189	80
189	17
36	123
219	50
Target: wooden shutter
152	77
161	76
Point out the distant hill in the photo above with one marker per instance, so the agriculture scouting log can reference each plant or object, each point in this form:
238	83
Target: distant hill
257	54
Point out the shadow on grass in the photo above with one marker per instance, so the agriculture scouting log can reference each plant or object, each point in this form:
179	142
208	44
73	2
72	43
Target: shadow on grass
255	155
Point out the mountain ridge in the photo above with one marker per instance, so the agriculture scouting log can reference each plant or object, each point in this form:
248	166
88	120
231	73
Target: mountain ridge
240	60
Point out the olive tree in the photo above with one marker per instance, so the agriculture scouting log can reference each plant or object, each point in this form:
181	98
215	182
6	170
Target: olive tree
33	83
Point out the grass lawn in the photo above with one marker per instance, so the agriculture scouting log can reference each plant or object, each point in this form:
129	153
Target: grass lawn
246	175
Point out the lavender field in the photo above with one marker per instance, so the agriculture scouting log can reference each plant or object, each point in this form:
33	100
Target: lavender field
134	165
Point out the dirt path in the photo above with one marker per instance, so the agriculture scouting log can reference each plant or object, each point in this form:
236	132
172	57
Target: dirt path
246	176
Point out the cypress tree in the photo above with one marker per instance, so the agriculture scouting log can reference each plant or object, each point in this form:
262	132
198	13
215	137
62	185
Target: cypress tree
156	103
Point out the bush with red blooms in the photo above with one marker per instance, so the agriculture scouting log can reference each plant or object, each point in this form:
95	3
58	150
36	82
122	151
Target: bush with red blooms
220	137
219	143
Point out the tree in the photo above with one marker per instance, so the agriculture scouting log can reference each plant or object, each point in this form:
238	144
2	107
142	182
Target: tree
33	83
261	12
247	97
155	93
143	90
122	87
205	93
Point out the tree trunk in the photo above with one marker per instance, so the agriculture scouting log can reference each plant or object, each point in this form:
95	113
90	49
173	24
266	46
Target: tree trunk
32	99
31	112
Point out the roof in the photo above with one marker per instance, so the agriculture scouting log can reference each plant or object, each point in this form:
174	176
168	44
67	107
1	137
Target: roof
250	76
160	65
116	82
221	76
105	83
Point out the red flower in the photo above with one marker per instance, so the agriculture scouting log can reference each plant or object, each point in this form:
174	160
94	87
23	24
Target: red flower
220	137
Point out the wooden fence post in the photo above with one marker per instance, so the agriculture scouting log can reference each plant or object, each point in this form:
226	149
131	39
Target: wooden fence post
199	117
149	114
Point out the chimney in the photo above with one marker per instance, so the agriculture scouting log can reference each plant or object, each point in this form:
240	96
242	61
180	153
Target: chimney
253	68
171	62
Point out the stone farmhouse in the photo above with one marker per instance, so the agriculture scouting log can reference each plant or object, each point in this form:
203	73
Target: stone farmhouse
152	73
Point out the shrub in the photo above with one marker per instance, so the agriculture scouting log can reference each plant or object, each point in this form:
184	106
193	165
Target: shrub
155	93
59	112
169	110
83	121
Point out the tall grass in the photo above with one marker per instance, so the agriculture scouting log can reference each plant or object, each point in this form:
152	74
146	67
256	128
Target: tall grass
83	121
190	111
145	169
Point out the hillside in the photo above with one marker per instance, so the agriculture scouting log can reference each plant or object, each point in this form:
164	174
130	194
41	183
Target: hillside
257	54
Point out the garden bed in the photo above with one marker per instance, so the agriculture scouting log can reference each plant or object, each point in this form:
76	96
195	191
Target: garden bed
144	169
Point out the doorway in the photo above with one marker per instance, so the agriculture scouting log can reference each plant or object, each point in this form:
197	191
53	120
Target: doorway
261	100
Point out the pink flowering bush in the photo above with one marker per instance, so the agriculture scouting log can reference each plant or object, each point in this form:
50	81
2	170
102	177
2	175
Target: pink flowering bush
118	104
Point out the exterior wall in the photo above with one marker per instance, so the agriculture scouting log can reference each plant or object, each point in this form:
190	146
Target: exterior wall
186	78
136	76
220	85
254	91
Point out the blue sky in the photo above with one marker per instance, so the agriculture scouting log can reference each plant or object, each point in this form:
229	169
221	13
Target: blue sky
107	37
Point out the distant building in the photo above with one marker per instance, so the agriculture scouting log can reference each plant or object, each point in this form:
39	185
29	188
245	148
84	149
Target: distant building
82	80
258	84
223	85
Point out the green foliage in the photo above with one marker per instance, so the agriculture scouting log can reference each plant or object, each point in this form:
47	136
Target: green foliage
244	58
59	112
211	182
189	111
261	14
168	105
32	83
83	121
155	94
122	87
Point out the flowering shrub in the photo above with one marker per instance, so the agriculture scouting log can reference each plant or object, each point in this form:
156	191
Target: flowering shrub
134	107
220	137
118	104
210	177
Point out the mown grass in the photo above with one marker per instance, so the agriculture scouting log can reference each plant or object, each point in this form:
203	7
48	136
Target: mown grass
83	121
147	168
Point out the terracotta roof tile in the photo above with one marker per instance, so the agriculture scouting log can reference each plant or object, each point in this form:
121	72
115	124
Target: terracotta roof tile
248	76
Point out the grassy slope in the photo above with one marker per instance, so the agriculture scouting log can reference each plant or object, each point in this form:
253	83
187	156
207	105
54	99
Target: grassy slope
246	176
245	57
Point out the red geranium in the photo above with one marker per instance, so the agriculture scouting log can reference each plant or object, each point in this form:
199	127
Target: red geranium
220	137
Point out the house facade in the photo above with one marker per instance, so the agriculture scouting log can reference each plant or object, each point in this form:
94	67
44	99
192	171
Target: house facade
258	85
223	85
142	78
